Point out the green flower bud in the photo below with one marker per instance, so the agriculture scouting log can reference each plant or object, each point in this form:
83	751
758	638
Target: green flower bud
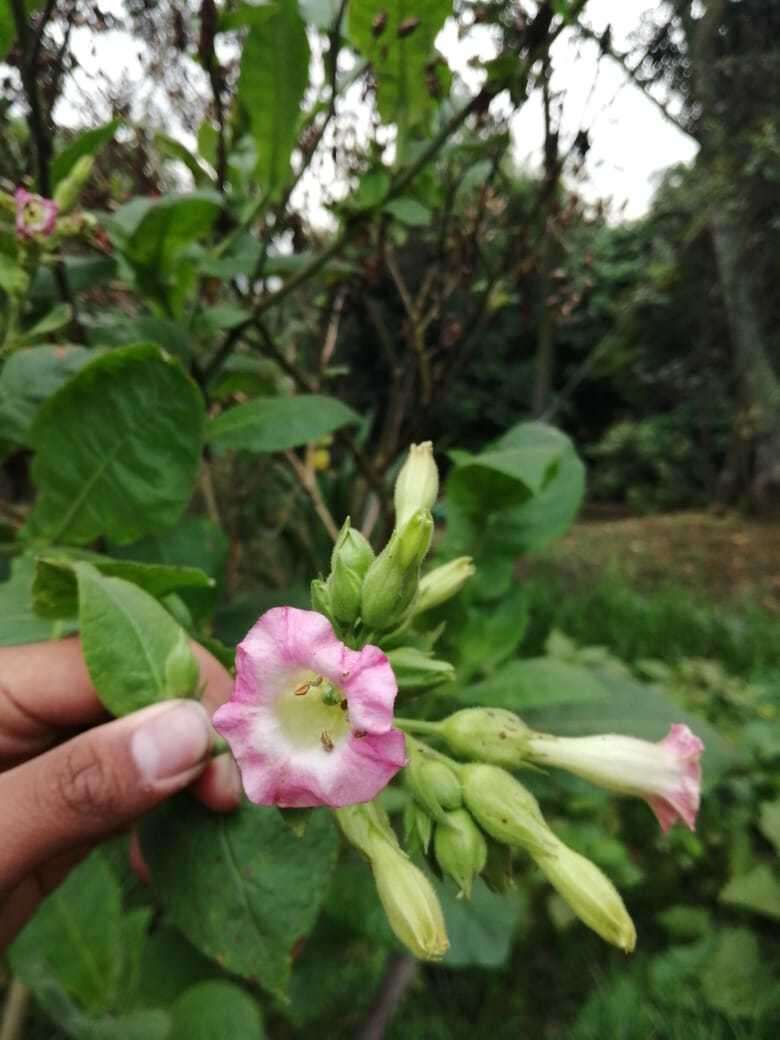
320	597
590	894
488	734
410	903
432	782
442	583
505	809
69	189
182	673
417	484
391	582
418	827
364	824
416	670
352	550
461	849
498	873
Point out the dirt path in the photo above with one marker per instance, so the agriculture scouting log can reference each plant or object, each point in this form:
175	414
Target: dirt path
729	556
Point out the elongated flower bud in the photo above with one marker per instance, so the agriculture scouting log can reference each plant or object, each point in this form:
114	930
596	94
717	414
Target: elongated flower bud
666	774
352	550
364	824
590	894
410	903
488	734
320	597
442	583
416	671
69	189
391	582
432	782
417	484
504	809
182	673
461	849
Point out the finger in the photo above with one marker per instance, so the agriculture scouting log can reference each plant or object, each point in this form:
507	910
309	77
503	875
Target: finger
98	783
44	688
219	785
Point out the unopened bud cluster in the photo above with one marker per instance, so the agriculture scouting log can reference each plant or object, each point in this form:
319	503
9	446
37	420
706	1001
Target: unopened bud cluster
464	811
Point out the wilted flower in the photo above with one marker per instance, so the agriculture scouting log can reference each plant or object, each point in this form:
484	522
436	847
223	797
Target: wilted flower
666	774
35	215
310	721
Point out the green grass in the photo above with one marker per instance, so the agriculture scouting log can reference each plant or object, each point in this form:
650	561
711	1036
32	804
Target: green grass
667	621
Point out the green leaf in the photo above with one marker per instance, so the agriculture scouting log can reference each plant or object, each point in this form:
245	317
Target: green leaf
274	76
28	378
76	938
174	149
758	891
19	623
127	638
55	590
120	330
244	888
481	929
736	974
170	965
216	1010
8	26
56	319
400	63
488	637
270	424
118	449
408	211
536	682
770	823
87	143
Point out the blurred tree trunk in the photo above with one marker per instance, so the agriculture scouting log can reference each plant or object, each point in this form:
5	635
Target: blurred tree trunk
757	426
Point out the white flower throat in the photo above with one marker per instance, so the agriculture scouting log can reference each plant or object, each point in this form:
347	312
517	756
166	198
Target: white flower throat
312	711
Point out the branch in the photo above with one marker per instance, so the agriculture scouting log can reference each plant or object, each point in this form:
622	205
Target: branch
308	481
633	76
29	51
399	975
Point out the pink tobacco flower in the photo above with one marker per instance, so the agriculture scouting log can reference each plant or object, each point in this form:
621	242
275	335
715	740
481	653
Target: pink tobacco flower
666	774
310	721
35	215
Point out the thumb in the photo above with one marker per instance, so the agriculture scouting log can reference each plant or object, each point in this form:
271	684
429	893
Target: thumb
98	783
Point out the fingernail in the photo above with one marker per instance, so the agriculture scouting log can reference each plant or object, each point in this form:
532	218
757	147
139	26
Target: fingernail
173	741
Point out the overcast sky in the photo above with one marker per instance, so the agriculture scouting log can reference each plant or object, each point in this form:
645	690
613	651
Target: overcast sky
631	142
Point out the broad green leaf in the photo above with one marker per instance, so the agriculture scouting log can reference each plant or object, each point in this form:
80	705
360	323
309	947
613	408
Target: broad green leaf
537	682
119	330
758	891
216	1010
489	636
244	888
736	974
174	149
408	211
170	965
117	449
19	623
400	61
126	637
76	938
481	929
81	273
87	143
274	76
638	710
271	424
55	591
28	378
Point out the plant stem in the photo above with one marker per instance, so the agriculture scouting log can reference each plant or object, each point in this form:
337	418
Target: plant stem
14	1010
417	726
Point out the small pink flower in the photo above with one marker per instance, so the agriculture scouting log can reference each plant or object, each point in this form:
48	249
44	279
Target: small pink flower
310	721
35	215
666	774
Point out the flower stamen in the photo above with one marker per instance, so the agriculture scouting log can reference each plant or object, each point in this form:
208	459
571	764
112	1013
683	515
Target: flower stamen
326	741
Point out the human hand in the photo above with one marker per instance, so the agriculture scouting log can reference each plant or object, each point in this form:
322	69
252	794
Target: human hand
59	797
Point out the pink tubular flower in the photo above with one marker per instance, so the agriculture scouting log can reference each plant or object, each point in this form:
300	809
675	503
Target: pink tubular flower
666	774
310	721
35	215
